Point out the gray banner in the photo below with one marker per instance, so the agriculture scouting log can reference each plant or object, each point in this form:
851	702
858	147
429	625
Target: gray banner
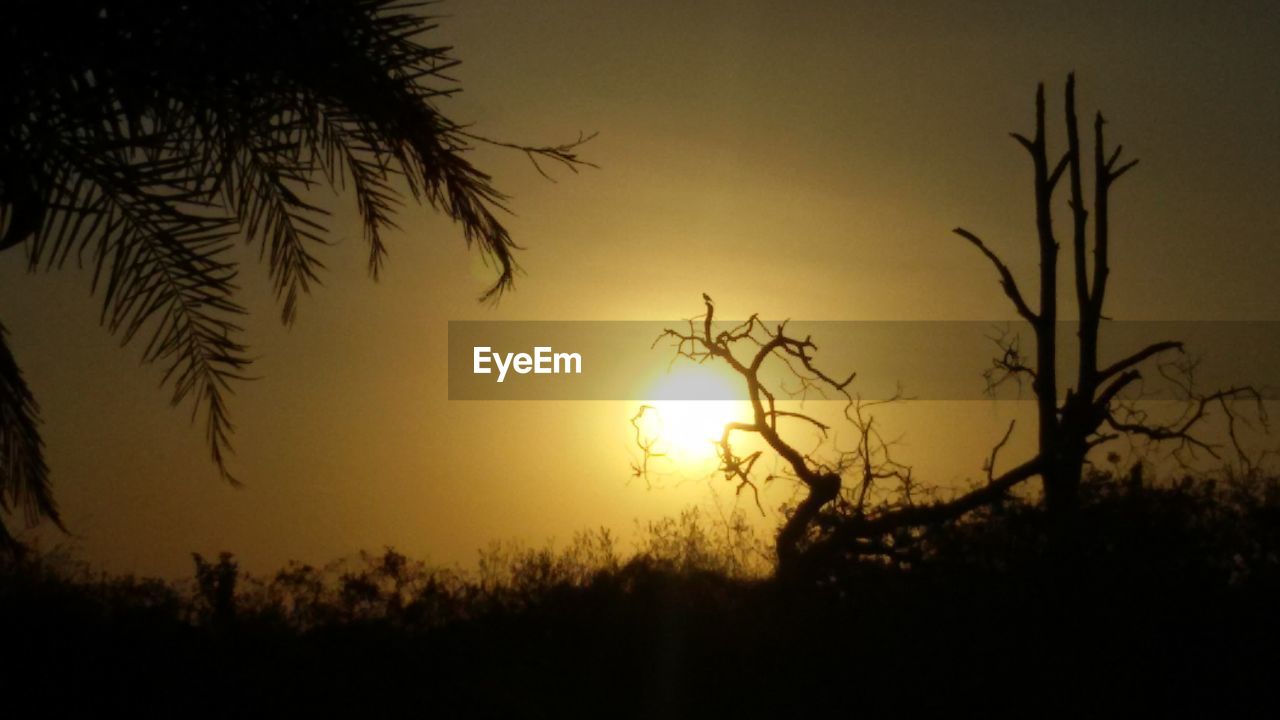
929	360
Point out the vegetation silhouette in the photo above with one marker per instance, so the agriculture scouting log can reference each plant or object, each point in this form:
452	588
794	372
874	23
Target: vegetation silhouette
137	141
835	520
142	139
1092	411
1168	603
857	515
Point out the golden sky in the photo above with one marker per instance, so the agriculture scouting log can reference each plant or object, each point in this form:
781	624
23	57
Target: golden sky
799	160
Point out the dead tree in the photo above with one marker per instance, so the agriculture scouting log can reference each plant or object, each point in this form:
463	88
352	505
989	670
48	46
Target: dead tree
1089	413
1092	411
865	514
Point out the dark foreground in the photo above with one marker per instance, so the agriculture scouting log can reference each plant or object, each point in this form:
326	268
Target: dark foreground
1154	600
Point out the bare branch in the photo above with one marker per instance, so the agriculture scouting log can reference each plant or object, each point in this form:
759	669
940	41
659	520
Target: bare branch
1010	365
1079	225
1136	358
1058	169
933	513
1006	276
1197	410
1023	141
990	465
1123	169
646	445
1111	391
1101	233
564	154
773	415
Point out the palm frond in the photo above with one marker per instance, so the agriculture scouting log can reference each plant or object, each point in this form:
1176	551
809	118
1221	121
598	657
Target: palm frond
258	193
24	476
136	139
158	257
342	152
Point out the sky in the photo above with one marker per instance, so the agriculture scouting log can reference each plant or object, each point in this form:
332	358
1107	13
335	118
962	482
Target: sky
802	160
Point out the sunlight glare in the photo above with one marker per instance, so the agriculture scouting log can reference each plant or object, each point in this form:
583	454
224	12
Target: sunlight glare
686	430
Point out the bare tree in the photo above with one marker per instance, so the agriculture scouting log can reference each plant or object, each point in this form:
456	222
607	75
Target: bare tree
1091	411
880	498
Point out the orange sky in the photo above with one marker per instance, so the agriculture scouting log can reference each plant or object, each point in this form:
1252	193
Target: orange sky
803	161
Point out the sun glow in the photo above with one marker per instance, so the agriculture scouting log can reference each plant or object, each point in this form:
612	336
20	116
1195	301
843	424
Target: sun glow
689	409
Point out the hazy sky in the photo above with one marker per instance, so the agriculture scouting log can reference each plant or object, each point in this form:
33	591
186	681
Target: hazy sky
803	160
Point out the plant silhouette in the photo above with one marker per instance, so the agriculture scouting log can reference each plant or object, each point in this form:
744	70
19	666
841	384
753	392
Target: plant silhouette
1092	411
1169	603
834	518
144	139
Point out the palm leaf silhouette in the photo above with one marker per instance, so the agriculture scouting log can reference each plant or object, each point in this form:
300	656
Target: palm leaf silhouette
146	139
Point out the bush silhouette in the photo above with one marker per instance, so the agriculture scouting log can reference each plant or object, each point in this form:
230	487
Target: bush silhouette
1166	599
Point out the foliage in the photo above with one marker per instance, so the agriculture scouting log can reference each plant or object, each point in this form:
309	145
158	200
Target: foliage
1166	598
144	139
389	587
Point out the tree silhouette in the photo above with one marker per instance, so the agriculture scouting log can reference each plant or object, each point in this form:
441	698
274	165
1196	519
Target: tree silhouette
143	139
1091	412
838	517
861	512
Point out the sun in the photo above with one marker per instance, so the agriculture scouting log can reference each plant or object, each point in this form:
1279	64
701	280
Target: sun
690	408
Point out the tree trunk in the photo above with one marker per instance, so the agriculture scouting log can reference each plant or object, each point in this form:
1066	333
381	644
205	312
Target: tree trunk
1062	483
822	490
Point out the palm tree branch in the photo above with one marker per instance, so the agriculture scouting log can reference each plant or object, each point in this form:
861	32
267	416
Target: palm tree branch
160	266
24	476
346	151
270	210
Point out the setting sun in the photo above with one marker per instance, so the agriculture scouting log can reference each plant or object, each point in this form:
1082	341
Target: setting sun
690	407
